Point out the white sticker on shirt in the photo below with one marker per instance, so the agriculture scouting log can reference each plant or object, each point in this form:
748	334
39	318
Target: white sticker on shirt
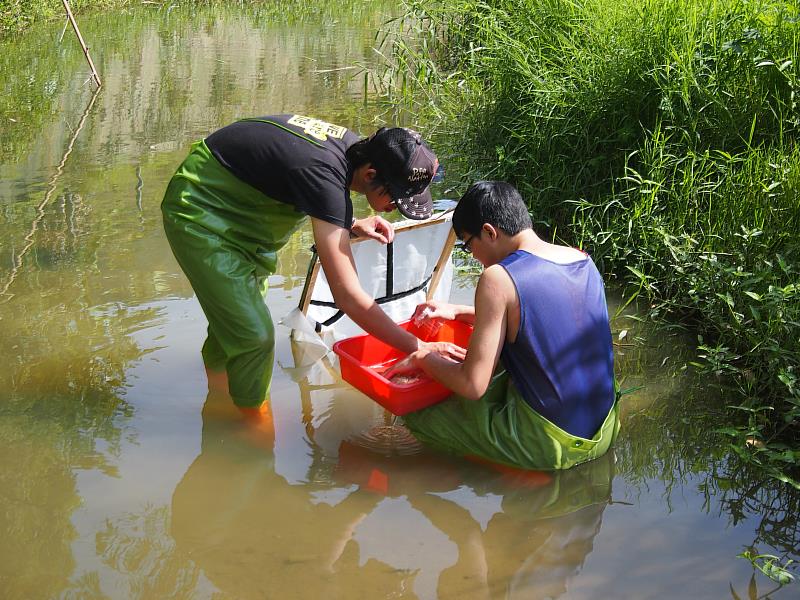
318	129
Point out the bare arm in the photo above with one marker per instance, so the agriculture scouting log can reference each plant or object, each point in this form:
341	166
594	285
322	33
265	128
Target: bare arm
436	309
333	248
493	297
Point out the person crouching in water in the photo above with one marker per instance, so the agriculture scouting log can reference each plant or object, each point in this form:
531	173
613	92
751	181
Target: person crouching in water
540	310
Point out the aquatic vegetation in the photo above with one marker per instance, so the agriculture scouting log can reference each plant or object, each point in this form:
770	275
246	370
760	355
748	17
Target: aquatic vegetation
659	135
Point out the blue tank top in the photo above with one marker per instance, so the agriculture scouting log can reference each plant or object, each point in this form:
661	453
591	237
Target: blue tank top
562	361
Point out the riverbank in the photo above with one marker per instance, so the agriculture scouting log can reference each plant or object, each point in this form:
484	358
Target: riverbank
661	137
18	15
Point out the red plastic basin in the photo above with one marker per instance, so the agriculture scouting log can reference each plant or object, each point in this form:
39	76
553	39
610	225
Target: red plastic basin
362	359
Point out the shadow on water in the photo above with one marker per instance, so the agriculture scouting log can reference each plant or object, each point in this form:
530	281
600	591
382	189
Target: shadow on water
122	475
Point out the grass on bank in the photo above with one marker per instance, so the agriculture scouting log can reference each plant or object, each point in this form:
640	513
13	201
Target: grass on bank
17	15
661	135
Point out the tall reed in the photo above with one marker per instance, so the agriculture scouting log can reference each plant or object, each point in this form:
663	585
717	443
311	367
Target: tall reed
662	136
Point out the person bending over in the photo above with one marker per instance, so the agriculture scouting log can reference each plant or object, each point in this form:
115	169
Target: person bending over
540	310
242	192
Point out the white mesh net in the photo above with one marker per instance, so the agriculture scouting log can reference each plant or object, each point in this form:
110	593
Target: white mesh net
398	275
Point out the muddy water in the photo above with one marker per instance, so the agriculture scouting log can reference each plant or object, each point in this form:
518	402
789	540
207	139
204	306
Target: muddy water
125	473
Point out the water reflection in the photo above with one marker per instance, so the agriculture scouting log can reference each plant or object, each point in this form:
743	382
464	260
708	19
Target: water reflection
70	203
365	520
37	494
87	280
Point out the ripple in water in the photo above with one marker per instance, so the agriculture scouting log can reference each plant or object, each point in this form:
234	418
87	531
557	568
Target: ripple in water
391	439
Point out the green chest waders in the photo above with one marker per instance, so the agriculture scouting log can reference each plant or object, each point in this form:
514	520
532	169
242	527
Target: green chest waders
225	235
502	427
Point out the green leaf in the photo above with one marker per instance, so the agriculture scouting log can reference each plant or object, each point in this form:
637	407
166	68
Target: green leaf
636	272
788	379
786	479
734	595
731	431
776	572
726	297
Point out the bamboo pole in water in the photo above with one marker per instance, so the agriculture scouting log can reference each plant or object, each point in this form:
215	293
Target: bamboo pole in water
85	48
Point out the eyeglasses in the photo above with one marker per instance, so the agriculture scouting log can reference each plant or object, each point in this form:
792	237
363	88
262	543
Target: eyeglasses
465	245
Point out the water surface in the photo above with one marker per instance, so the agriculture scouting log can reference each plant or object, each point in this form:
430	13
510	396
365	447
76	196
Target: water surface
125	473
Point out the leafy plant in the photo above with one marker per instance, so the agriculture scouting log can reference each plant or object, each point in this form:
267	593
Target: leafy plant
661	136
770	565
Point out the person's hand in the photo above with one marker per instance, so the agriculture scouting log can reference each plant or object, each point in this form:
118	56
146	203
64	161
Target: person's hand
374	227
402	367
433	309
411	363
447	350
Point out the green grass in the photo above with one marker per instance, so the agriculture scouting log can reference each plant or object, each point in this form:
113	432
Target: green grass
17	15
660	135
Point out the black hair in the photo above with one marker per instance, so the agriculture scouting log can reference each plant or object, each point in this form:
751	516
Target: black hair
495	202
359	154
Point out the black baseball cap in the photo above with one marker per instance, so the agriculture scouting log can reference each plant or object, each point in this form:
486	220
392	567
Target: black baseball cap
407	166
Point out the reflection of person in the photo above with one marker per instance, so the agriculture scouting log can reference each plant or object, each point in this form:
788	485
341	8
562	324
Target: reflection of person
239	195
238	520
538	538
376	526
539	309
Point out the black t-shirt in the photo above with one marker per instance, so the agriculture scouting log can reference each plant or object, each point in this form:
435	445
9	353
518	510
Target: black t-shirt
293	159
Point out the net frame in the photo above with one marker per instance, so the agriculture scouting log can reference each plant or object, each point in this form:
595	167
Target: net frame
416	266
